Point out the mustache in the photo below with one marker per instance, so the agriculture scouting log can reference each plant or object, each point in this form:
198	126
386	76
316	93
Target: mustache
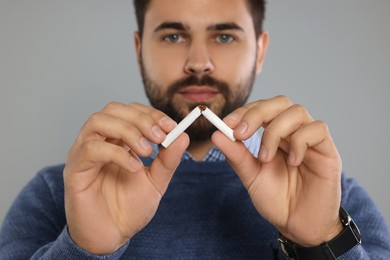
206	80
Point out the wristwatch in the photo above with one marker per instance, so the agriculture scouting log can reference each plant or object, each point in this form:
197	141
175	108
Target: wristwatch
345	240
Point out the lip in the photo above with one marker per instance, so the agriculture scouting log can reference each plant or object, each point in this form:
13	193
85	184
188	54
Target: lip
199	94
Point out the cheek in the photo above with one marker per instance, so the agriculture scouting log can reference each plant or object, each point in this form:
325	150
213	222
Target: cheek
235	65
163	65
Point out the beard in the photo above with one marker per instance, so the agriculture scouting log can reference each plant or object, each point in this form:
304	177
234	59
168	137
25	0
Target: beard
177	109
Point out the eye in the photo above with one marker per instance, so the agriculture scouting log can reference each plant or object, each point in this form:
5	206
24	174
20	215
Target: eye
224	38
173	38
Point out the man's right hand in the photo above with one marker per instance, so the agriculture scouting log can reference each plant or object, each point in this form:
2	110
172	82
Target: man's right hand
109	194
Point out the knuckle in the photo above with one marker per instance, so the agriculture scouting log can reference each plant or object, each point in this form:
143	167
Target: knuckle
141	116
112	106
134	105
157	114
300	109
88	148
135	111
90	127
254	103
284	99
130	130
137	117
95	117
322	125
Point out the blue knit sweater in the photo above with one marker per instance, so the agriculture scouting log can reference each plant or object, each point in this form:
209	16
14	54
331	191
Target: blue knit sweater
205	214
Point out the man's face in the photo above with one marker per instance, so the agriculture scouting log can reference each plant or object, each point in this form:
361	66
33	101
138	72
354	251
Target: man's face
199	52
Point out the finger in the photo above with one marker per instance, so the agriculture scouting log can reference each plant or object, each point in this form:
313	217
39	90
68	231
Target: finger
247	120
93	153
166	123
146	122
151	122
166	162
242	161
311	136
233	119
109	127
280	128
136	113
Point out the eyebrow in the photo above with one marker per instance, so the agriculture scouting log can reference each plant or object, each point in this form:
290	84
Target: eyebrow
225	26
171	25
215	27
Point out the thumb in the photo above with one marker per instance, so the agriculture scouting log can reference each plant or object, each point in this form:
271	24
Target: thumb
166	162
239	157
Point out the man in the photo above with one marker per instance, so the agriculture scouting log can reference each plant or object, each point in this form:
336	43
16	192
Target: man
122	195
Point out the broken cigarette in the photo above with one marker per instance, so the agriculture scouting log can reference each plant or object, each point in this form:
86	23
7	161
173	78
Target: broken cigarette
191	117
217	122
182	126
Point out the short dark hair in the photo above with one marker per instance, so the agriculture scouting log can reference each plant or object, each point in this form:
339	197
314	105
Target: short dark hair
256	7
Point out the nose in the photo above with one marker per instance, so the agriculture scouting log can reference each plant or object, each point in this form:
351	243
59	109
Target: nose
198	61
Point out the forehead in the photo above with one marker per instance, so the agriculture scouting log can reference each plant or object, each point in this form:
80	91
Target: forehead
197	14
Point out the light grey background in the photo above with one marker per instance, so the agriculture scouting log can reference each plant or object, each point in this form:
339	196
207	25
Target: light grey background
60	61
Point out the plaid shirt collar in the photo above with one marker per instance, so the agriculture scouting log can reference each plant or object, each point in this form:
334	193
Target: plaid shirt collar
215	155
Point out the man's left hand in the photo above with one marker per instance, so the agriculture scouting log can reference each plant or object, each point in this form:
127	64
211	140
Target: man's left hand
295	181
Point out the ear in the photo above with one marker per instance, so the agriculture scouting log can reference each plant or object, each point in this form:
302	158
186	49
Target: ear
137	44
262	44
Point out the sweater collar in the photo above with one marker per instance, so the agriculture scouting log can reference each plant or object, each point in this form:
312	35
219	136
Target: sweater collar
214	154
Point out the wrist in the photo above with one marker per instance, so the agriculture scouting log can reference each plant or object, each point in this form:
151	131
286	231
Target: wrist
329	249
316	237
66	246
96	245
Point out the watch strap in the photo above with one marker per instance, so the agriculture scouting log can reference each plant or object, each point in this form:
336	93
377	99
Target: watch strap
344	241
328	250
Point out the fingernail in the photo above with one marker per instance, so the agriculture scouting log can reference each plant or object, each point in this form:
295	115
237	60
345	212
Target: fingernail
168	122
144	144
157	132
242	128
263	153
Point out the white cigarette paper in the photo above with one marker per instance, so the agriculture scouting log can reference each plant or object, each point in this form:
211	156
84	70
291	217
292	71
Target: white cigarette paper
191	117
182	126
217	122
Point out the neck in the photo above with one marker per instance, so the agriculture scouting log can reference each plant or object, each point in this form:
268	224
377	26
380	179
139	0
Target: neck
199	149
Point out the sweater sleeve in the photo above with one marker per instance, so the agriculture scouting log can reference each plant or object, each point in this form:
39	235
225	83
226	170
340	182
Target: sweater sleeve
35	226
372	225
64	248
